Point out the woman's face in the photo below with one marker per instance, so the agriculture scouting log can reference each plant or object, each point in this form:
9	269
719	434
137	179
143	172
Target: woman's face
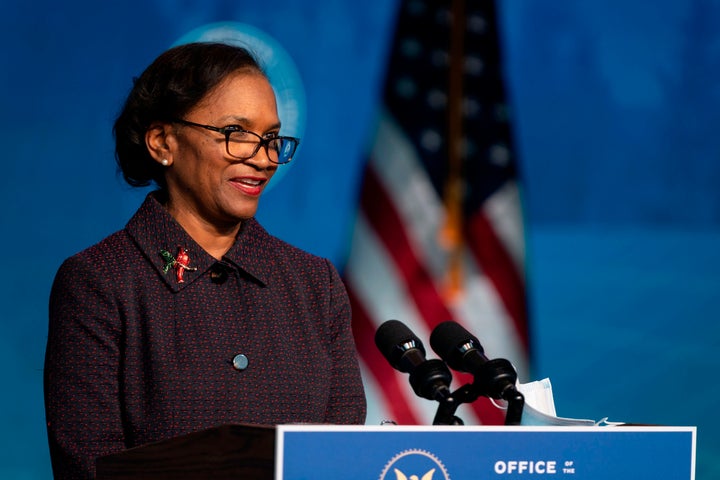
205	184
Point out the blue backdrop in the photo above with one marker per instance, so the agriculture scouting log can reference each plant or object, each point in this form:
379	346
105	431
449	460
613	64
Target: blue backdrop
616	106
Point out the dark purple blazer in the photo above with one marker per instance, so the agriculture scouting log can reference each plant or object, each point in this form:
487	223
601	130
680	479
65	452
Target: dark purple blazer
135	356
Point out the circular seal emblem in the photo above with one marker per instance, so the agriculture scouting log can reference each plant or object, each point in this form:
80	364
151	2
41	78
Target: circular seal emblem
414	464
278	66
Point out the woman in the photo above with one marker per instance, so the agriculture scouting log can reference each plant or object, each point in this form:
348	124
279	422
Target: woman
193	315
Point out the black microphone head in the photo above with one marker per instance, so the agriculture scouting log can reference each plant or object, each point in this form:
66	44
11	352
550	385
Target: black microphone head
394	340
451	341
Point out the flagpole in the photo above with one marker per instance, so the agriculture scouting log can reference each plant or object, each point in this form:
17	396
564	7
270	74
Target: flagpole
451	235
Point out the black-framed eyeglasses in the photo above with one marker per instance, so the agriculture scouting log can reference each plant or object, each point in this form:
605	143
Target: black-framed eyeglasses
243	144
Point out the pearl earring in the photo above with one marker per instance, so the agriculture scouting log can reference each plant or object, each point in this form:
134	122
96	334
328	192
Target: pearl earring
165	162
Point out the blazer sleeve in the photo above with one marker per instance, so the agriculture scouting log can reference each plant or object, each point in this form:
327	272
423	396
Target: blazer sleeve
347	403
82	358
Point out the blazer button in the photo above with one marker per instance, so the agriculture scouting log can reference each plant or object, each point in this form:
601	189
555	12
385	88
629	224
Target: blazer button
240	362
219	273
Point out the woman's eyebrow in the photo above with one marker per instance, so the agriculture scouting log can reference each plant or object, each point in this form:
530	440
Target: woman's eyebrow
247	121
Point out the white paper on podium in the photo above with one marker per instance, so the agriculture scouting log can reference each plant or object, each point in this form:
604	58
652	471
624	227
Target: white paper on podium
539	407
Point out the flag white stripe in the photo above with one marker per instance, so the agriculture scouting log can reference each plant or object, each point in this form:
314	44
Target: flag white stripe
504	210
411	191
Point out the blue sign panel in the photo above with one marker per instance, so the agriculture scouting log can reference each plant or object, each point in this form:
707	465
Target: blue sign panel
480	453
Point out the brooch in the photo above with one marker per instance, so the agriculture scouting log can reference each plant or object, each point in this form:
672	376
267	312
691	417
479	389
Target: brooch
180	264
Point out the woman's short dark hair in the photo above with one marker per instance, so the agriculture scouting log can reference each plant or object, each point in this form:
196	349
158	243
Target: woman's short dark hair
170	87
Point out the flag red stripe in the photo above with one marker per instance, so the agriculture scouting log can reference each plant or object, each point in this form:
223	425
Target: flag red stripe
395	394
499	267
385	220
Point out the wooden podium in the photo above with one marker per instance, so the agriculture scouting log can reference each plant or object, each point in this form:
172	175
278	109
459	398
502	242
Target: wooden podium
359	452
225	452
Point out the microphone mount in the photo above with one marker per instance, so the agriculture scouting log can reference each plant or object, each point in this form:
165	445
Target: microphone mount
495	379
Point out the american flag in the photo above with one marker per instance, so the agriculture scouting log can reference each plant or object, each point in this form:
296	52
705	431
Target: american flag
438	234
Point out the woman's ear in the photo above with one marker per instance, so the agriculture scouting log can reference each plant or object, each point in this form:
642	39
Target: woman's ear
158	139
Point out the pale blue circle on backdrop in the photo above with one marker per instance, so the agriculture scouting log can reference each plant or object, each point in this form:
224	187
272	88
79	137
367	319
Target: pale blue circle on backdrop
278	66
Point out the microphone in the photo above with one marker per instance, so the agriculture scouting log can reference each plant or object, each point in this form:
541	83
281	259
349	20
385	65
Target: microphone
462	352
429	378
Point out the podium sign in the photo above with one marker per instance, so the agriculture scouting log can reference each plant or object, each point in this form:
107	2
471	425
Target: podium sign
484	453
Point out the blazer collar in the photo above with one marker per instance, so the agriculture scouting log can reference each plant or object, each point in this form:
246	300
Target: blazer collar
160	238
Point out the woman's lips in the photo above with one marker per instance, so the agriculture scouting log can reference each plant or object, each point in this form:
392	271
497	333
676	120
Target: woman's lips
252	186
